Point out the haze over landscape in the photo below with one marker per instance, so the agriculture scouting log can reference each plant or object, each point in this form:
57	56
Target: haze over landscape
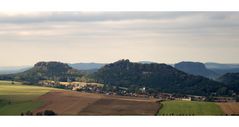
105	37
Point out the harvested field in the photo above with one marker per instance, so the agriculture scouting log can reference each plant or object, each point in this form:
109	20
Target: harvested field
66	102
230	108
107	106
78	103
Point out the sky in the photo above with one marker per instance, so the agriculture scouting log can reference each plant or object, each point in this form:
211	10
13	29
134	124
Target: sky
104	37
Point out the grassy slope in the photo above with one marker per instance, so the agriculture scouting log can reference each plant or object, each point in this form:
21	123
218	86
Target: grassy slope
190	108
17	98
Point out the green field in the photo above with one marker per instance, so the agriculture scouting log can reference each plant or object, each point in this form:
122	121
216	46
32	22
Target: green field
189	108
17	98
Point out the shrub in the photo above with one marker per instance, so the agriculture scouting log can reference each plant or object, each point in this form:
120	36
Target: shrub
49	113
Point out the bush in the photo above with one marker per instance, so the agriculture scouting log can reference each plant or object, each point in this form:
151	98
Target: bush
29	113
49	113
39	114
237	98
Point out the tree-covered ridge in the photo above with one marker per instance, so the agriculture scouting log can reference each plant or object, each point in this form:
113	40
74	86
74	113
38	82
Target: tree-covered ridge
161	77
54	68
196	68
231	80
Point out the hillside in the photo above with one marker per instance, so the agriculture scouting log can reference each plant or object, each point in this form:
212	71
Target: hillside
231	80
46	70
212	65
195	68
161	77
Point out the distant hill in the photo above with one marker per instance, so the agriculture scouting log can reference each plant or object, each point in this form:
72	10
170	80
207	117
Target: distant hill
146	62
93	67
212	65
222	69
13	69
231	80
86	66
46	70
195	68
161	77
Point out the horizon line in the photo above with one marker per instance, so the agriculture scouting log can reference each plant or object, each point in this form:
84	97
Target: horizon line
113	62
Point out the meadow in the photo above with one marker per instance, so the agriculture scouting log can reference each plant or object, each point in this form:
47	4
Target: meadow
16	98
189	108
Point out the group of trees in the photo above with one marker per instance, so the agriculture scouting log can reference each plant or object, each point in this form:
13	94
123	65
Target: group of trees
46	113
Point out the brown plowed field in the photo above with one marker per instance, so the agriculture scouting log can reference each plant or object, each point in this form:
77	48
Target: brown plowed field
107	106
230	108
79	103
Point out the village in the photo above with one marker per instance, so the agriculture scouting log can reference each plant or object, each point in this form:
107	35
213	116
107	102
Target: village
91	87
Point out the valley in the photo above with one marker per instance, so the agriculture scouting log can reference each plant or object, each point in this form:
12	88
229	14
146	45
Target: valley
119	88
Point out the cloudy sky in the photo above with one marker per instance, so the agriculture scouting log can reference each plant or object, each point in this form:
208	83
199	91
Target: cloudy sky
165	37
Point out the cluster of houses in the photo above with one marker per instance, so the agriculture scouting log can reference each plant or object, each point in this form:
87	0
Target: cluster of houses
223	99
168	96
70	85
122	91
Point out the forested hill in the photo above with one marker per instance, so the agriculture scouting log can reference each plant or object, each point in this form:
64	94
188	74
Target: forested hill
46	70
158	76
231	80
195	68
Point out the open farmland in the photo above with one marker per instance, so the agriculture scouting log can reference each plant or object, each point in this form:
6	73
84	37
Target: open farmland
230	108
17	98
77	103
189	108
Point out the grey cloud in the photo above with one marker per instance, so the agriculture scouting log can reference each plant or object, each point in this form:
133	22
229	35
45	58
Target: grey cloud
103	16
180	22
143	33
